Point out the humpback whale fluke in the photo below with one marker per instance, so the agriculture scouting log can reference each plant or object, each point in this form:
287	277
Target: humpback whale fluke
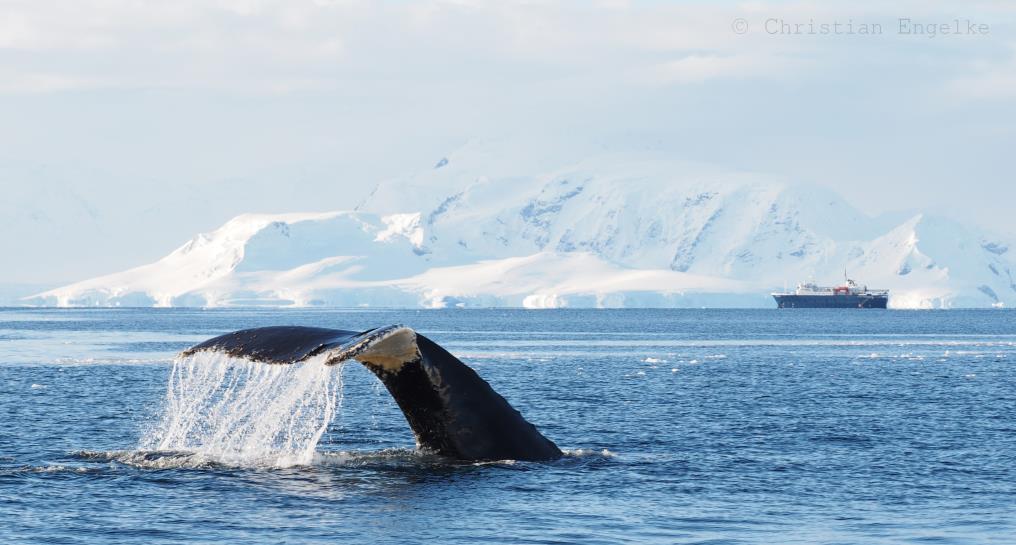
451	410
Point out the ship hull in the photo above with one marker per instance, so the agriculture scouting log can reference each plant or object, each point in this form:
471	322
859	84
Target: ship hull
830	301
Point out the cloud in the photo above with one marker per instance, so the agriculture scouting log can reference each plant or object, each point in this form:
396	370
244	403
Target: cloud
987	79
253	45
32	83
700	68
269	46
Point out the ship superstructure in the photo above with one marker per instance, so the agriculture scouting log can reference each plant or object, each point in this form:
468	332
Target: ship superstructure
847	295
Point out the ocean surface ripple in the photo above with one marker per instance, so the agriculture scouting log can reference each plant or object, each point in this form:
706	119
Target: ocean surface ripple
679	426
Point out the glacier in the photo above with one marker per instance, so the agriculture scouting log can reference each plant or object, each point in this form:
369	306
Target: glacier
611	230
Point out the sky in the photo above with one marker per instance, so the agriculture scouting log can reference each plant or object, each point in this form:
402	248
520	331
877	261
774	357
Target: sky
126	127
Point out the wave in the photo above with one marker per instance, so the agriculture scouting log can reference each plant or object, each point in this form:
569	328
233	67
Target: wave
704	343
391	458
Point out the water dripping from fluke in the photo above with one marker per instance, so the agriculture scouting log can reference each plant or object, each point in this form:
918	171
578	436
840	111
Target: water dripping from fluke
222	409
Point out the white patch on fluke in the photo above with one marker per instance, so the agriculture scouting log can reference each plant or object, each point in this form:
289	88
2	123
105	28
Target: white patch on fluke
238	412
389	349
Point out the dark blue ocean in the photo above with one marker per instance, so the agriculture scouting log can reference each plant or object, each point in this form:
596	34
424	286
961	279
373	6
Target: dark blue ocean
680	426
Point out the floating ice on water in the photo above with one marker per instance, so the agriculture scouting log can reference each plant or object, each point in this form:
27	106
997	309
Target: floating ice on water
237	412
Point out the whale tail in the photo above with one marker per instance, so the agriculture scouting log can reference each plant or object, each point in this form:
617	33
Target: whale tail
451	410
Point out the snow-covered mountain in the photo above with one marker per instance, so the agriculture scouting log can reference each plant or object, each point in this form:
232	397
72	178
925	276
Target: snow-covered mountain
612	230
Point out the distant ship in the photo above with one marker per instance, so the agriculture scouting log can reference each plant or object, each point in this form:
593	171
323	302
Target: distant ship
849	295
